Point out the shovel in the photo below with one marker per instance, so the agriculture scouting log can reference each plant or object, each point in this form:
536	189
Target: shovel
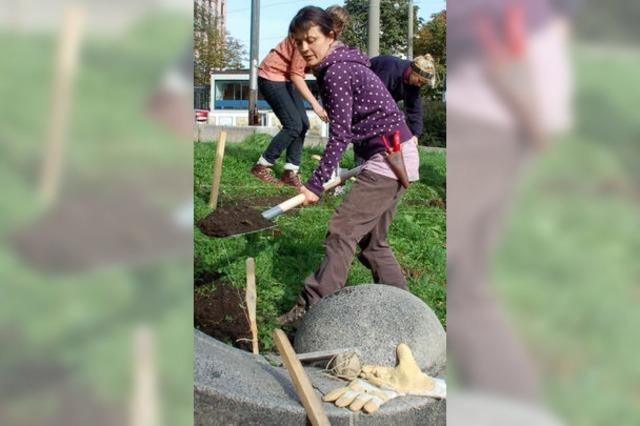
299	199
252	221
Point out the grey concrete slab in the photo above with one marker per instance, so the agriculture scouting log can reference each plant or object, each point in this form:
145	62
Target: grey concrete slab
233	387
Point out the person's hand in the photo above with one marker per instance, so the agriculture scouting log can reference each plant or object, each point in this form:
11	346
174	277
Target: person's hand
320	112
360	395
311	198
405	378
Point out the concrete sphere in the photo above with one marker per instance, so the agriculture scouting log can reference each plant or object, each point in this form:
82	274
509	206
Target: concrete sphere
375	318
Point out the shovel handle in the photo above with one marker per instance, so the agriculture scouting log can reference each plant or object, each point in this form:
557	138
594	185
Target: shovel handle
284	206
299	199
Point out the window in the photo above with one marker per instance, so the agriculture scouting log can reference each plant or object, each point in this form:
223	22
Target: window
234	94
232	90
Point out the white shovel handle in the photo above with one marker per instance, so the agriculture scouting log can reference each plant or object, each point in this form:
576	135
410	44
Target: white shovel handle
299	199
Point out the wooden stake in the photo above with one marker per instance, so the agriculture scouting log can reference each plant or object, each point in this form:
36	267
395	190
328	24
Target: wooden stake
217	171
144	401
305	392
251	302
67	59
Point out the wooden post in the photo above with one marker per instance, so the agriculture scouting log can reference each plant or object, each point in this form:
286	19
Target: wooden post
67	59
305	392
217	171
144	401
251	302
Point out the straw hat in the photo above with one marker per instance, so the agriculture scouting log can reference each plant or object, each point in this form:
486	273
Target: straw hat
425	67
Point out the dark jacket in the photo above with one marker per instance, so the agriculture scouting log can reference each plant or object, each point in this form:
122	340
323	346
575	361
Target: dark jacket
391	71
360	110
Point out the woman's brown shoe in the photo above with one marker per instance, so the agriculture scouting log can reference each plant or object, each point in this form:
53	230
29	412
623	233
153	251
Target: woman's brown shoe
265	174
289	177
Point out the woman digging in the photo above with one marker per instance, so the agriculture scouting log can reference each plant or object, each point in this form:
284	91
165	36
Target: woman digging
362	112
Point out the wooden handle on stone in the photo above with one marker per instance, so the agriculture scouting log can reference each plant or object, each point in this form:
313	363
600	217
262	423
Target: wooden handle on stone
305	391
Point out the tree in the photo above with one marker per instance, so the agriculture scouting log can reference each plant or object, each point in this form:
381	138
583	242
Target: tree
393	25
213	49
432	39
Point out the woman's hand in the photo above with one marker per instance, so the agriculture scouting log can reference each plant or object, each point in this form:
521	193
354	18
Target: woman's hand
320	112
311	198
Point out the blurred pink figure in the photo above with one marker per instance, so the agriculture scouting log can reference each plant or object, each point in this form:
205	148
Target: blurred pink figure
171	104
508	91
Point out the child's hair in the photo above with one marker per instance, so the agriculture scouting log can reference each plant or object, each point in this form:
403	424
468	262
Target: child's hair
340	17
309	16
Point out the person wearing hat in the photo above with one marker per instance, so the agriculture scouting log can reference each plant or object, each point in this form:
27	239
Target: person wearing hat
404	79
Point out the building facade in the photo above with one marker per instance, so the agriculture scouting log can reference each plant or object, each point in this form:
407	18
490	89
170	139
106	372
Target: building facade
228	103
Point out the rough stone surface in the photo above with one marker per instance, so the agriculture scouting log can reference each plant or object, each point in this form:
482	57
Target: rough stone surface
375	318
233	387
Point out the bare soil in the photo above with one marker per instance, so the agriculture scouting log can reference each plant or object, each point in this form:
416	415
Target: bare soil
219	311
234	220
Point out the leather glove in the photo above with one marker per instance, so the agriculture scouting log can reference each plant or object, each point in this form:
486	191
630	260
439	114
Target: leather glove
360	395
405	378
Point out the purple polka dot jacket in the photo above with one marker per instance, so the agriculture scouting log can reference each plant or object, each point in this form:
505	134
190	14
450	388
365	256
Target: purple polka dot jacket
360	110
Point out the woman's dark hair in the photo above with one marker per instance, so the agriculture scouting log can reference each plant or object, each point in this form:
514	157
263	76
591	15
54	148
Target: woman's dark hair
309	16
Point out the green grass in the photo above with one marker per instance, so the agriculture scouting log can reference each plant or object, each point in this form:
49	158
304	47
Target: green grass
284	258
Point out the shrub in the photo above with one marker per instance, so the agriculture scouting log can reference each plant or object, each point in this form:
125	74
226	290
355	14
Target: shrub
435	124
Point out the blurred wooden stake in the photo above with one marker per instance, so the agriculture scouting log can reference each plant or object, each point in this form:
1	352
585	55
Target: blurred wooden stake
217	171
144	401
251	302
67	61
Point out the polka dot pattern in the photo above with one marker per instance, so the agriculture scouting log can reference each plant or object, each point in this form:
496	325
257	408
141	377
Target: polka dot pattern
359	106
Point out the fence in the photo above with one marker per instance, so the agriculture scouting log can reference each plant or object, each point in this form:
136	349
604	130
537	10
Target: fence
201	97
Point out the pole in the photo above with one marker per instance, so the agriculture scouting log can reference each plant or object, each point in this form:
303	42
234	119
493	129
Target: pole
374	28
410	32
253	63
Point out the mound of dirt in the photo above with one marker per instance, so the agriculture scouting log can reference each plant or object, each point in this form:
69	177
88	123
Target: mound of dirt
233	220
220	313
88	231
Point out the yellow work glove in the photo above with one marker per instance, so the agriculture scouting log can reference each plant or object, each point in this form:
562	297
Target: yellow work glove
360	395
405	378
